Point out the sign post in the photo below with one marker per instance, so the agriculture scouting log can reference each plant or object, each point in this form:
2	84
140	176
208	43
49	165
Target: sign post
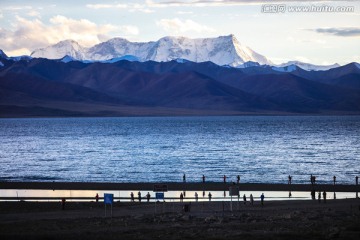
159	190
108	199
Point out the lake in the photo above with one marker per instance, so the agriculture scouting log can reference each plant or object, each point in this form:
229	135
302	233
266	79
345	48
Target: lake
261	149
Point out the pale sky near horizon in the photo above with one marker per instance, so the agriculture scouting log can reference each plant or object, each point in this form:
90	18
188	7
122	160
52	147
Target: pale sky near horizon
277	33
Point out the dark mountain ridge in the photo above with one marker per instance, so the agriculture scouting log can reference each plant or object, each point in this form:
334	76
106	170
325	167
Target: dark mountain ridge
173	88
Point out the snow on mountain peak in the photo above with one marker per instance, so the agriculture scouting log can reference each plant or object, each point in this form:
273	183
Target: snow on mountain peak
60	50
223	50
308	66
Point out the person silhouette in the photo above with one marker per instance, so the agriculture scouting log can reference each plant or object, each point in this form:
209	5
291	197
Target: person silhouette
251	199
139	196
148	197
262	199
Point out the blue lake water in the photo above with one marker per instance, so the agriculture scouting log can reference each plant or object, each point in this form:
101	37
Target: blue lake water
260	149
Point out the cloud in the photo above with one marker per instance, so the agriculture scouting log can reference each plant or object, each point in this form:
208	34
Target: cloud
29	35
102	6
132	7
341	32
16	8
129	30
34	13
184	12
177	26
204	3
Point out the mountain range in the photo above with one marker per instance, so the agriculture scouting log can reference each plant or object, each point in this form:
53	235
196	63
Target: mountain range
223	50
54	87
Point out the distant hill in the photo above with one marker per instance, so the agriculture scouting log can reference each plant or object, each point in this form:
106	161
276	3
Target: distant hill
43	87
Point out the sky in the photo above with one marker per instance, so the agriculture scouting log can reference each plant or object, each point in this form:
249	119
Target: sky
319	32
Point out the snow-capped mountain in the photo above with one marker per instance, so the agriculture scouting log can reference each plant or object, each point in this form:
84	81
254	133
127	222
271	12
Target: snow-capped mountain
290	66
223	50
68	48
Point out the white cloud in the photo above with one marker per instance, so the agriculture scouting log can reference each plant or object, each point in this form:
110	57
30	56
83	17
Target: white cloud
101	6
176	26
129	30
183	12
217	3
16	8
31	34
34	13
132	7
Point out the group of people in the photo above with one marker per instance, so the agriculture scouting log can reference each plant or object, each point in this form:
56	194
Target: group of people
203	178
182	195
312	179
319	195
132	198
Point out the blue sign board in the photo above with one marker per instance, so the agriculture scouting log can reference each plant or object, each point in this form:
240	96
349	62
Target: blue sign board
159	195
108	198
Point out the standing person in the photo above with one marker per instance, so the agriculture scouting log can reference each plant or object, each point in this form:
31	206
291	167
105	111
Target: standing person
148	197
97	198
203	178
251	199
132	197
181	197
357	180
244	198
196	196
289	179
313	194
224	178
319	197
262	199
238	179
209	195
324	196
139	196
334	179
184	178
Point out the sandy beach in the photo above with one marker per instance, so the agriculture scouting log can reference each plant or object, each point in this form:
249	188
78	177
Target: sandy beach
306	219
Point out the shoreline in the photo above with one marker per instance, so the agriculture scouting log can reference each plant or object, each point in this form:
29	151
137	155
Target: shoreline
178	186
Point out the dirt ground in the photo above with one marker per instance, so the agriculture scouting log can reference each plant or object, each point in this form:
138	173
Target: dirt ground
306	219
